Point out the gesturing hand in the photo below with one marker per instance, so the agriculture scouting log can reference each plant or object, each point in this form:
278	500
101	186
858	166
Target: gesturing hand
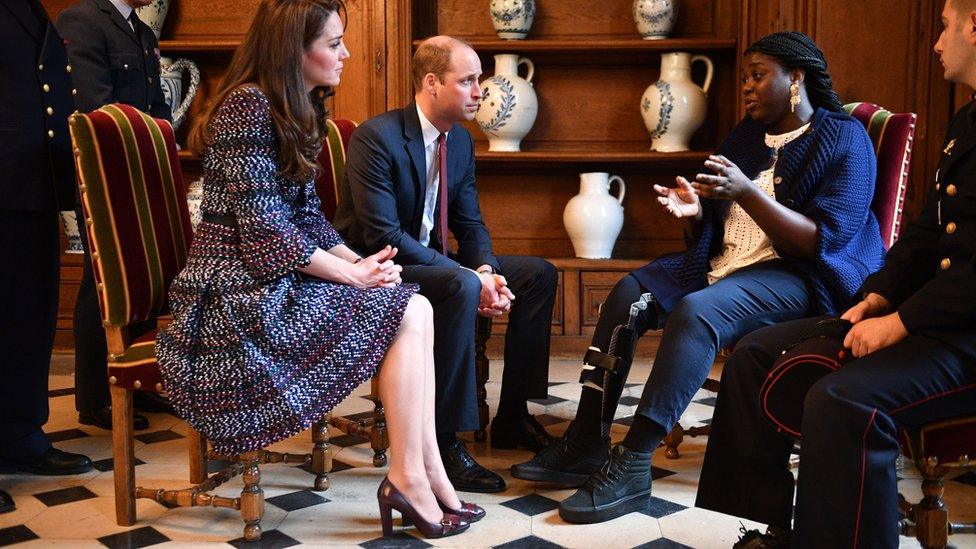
728	183
377	270
680	201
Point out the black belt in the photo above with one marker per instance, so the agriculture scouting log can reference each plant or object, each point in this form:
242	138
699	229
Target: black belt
225	220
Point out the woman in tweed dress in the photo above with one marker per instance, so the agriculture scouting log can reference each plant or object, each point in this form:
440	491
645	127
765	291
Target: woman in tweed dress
276	320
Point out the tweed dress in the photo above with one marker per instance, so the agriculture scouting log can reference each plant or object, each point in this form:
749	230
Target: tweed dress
257	352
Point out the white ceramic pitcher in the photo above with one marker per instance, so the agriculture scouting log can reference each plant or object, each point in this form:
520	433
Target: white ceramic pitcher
594	217
674	107
508	104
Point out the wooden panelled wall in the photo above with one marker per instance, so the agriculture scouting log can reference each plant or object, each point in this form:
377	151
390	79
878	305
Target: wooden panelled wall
878	50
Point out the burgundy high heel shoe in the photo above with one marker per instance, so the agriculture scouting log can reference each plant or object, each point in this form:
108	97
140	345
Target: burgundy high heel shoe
469	512
390	498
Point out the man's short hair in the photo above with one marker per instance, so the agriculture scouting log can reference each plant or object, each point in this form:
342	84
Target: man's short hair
963	7
433	56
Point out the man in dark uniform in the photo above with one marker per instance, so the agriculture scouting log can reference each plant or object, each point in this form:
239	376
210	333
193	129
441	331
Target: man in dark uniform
116	60
914	349
37	178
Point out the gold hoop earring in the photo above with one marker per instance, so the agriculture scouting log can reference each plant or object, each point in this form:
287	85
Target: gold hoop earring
794	96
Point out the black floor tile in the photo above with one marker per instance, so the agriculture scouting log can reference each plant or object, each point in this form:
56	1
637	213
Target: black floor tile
707	401
296	500
337	466
347	440
657	472
529	542
532	504
663	543
629	420
61	392
16	534
214	465
397	540
272	539
662	508
104	465
158	436
629	400
133	539
65	495
707	421
67	434
968	477
546	419
547	401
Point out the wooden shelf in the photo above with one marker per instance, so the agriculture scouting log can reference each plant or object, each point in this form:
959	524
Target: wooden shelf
202	45
585	44
574	158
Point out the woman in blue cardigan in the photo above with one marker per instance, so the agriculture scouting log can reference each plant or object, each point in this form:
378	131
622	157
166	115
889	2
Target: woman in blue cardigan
780	229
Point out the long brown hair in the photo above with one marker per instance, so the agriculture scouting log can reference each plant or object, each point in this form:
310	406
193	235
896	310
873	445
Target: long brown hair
271	56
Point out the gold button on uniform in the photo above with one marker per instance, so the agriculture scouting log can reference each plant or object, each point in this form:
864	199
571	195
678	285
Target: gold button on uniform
50	111
777	180
46	88
950	228
74	91
945	264
67	68
937	186
951	190
50	133
40	67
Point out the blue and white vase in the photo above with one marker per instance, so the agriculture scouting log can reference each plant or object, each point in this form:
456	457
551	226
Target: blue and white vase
70	222
194	198
674	107
154	15
655	18
512	18
171	79
508	104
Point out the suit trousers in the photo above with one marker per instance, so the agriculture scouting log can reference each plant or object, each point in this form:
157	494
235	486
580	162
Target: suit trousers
847	491
28	318
91	350
700	325
454	294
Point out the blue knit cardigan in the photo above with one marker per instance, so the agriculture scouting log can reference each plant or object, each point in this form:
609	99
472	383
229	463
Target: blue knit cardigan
827	175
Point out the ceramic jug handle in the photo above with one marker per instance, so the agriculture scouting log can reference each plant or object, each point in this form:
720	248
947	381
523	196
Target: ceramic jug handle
620	185
709	70
531	68
191	90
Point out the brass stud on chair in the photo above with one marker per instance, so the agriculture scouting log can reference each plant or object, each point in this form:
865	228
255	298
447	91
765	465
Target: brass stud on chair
112	356
137	384
100	287
112	380
159	387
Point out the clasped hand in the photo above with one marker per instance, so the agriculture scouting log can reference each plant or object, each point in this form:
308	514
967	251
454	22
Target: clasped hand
496	297
377	270
874	327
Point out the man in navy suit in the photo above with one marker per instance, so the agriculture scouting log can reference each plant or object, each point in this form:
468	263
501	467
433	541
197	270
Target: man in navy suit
116	60
392	195
37	178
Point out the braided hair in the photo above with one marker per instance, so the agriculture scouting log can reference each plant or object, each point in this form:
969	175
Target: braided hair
796	50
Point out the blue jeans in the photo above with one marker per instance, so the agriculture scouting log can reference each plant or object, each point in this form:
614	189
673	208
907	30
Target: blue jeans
700	325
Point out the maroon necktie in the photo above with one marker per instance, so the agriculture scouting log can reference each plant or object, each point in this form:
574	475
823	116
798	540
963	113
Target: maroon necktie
442	222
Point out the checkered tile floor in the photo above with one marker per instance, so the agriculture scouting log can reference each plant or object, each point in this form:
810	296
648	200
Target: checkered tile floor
77	511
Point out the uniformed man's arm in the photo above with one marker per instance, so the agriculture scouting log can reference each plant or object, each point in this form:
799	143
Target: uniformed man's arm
91	72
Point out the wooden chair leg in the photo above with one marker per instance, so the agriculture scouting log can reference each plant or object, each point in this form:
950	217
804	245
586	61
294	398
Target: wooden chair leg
482	369
197	446
673	440
379	439
123	456
931	514
252	496
321	455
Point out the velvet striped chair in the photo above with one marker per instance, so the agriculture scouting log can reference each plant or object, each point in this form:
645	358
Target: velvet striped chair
333	161
892	135
134	202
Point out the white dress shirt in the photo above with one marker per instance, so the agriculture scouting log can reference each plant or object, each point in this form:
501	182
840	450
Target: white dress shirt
125	10
433	176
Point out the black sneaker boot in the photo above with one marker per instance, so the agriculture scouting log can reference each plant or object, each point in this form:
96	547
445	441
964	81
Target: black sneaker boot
774	538
568	460
621	486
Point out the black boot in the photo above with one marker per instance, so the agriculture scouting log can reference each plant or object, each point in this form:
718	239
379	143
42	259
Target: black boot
569	460
621	486
774	538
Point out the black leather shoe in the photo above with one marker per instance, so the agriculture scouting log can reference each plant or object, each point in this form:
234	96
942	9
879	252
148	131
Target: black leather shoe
568	460
465	473
6	503
102	418
774	538
621	486
152	402
57	462
524	432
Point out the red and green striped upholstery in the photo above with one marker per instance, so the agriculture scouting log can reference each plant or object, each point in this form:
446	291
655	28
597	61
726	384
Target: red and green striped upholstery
137	221
333	162
892	135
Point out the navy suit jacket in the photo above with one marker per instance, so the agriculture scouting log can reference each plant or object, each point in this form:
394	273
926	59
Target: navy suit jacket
381	198
37	170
